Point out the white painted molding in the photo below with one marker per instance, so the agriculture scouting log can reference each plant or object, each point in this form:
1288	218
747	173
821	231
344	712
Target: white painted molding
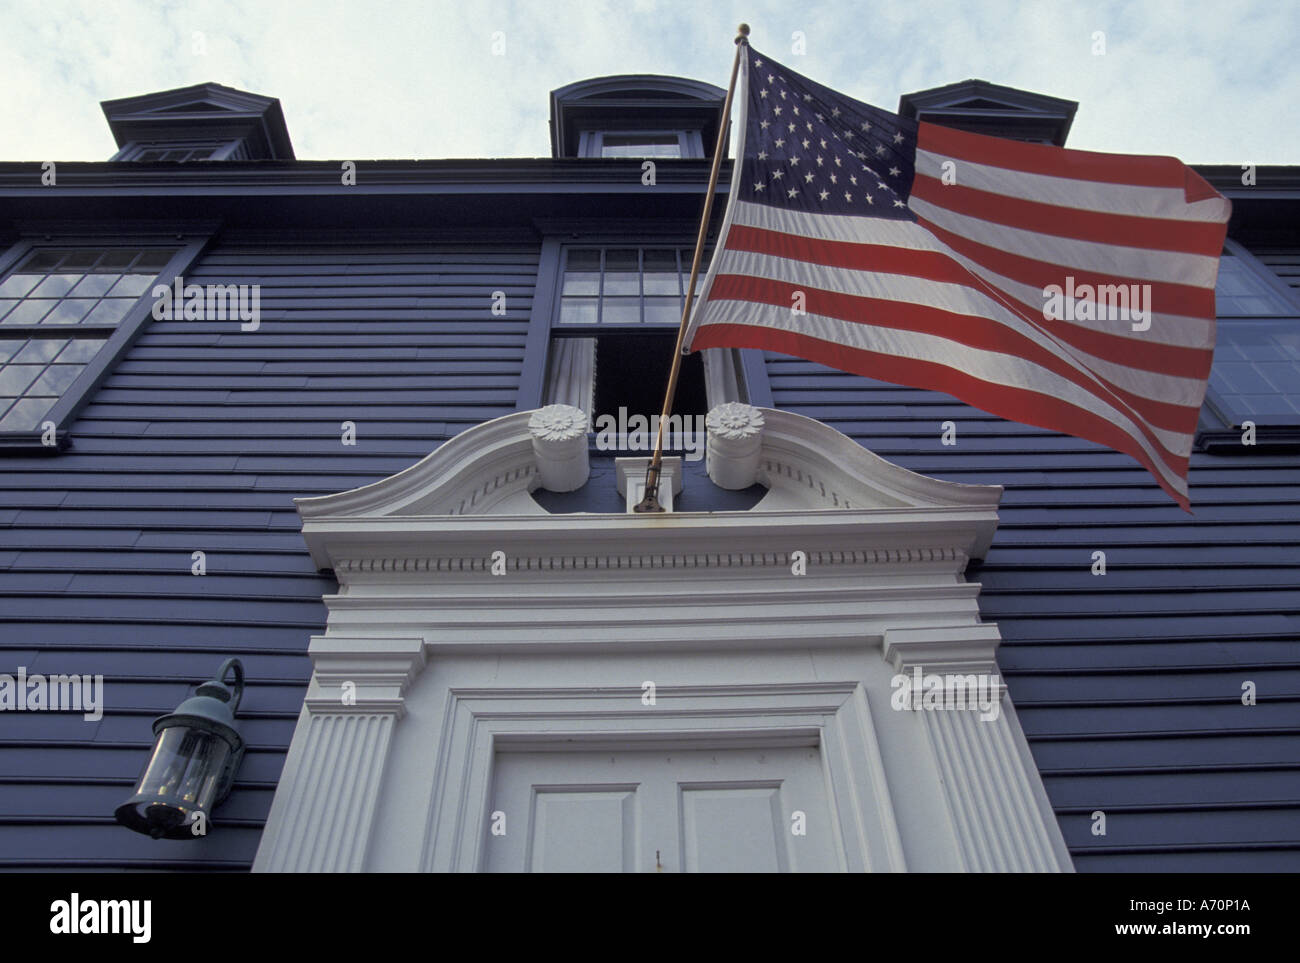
994	793
560	447
943	649
806	465
1002	823
848	562
833	715
632	472
324	805
735	443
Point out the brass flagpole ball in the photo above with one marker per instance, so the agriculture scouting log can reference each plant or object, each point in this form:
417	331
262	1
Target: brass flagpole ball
743	32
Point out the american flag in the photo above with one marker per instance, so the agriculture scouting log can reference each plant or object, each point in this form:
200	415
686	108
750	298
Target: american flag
972	265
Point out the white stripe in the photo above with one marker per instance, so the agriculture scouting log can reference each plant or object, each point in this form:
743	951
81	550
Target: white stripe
1112	260
1172	329
1001	369
960	299
1162	202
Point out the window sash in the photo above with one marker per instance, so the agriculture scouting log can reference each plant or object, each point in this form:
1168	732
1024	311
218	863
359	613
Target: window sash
109	340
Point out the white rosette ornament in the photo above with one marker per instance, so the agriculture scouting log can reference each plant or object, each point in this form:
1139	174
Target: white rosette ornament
559	434
735	441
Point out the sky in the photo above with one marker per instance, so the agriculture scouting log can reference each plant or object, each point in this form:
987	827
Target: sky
1205	82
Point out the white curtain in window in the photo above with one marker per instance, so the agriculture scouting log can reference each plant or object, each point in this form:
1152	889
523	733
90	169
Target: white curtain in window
571	374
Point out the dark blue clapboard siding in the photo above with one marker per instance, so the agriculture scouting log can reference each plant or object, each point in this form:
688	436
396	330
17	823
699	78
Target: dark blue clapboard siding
1128	685
199	440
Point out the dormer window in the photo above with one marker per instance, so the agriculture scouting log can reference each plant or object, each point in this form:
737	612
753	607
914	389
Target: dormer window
985	108
207	122
635	116
638	144
183	151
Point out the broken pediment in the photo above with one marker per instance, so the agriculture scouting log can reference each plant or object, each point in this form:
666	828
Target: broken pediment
817	479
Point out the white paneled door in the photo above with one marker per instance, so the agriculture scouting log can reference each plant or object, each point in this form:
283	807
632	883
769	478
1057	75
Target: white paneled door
695	810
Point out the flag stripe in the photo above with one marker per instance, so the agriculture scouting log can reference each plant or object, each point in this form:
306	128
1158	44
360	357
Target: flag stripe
916	245
1116	261
884	265
903	293
1172	298
1078	165
1172	423
1157	234
1042	408
1166	203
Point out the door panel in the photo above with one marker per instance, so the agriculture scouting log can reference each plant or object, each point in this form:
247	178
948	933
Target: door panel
583	831
733	829
723	810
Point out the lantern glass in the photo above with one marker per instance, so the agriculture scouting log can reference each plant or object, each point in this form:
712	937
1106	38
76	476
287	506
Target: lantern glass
183	775
196	751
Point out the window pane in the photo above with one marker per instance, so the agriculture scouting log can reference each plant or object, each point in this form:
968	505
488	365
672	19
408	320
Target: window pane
577	310
15	378
622	272
663	310
1238	291
94	285
19	285
153	259
80	349
582	272
69	311
29	312
26	414
56	285
132	285
8	348
621	311
661	272
43	261
640	145
38	350
80	260
110	311
56	380
116	260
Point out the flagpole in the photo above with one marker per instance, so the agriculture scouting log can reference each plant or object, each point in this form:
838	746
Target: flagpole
650	501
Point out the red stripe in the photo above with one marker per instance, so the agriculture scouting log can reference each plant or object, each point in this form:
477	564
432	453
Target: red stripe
969	330
1174	360
1166	297
1016	404
1126	230
1083	165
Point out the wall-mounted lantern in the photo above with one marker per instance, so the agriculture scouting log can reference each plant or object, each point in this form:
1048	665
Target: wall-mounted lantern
195	754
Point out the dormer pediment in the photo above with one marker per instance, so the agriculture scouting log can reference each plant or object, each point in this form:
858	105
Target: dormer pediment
634	103
237	124
987	108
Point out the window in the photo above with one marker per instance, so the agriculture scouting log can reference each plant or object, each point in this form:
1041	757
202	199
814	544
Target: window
604	323
58	310
1256	374
641	143
614	330
621	286
181	151
1243	290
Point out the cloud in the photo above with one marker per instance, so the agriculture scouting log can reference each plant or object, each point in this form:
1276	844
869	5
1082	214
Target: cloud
417	79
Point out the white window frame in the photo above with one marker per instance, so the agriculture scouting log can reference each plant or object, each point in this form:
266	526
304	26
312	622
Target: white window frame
689	142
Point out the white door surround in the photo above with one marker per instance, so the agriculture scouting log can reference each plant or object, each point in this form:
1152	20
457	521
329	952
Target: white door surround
471	625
